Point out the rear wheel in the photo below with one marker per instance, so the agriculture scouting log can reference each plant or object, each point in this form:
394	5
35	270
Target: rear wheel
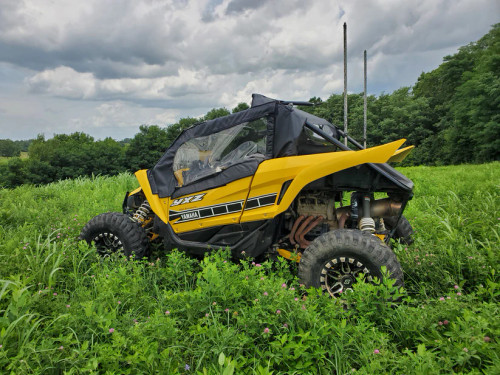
115	232
404	231
334	260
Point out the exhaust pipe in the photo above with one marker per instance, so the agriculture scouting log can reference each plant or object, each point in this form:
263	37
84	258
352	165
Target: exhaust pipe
379	208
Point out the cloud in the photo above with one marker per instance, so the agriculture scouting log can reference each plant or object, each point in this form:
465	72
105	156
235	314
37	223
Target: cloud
190	56
239	6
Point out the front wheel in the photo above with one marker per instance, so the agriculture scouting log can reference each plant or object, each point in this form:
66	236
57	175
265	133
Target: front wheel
334	260
115	232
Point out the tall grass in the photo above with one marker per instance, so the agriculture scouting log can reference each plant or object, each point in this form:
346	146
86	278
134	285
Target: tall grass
64	310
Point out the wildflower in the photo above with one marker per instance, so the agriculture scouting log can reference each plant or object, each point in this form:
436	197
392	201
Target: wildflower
235	313
303	307
24	248
283	285
465	350
187	367
111	330
167	312
246	277
266	330
206	315
54	294
456	287
92	276
441	298
376	351
258	265
225	261
253	263
485	339
459	294
292	288
296	299
119	302
68	306
214	303
262	278
226	310
265	293
445	322
1	346
440	323
256	300
448	297
285	325
135	321
61	347
243	252
278	312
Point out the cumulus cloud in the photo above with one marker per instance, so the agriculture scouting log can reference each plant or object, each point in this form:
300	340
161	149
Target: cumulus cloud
190	56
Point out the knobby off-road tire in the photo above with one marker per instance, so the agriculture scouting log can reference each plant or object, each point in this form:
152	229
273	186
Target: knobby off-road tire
334	260
115	232
404	231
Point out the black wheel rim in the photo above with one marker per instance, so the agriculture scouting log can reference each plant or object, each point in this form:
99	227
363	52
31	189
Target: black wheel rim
340	273
107	243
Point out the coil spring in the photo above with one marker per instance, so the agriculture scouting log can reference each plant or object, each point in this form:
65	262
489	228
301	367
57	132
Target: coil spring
367	224
142	213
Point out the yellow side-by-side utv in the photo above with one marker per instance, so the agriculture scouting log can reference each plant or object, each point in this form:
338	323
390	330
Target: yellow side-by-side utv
269	180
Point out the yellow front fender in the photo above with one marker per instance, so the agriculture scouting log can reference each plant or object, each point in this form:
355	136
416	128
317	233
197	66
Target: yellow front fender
159	206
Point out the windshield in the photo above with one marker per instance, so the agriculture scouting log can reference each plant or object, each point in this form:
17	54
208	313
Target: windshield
205	156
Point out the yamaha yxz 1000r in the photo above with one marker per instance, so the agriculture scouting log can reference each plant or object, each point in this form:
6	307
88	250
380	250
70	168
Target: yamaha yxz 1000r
271	179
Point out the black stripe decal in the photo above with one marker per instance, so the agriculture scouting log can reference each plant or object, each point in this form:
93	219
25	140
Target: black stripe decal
221	209
260	201
205	212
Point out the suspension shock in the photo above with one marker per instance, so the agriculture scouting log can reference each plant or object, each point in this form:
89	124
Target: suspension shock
367	224
142	213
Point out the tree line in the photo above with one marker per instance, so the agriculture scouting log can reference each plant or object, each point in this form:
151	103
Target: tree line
78	154
451	115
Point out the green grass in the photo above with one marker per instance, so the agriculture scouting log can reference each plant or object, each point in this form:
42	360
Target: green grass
63	310
5	159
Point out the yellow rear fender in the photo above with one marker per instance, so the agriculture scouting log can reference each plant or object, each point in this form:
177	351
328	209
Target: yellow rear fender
401	154
302	170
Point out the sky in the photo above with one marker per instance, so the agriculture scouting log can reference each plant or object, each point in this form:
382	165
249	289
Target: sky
104	67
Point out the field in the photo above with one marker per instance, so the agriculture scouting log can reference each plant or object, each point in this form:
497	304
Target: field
63	310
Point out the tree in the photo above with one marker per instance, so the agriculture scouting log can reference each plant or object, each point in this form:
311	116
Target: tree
216	113
9	148
240	107
146	147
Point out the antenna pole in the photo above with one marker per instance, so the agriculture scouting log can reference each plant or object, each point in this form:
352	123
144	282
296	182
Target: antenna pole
365	107
345	83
